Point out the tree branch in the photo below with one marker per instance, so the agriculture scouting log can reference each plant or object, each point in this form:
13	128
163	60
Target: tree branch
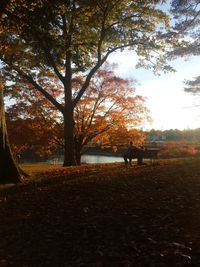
36	85
53	64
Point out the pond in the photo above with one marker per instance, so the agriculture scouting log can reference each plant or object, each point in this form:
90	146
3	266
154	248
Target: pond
91	159
100	159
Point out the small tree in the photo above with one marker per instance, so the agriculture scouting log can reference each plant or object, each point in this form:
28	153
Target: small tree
109	105
33	123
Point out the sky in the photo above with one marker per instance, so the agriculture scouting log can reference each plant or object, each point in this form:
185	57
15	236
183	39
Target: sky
170	107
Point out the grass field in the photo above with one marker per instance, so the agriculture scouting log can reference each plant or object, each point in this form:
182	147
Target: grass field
103	216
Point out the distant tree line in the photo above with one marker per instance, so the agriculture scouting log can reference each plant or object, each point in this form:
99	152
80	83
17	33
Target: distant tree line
187	135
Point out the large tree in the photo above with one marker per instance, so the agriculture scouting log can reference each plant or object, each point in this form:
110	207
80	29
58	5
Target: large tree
106	111
69	37
8	167
187	27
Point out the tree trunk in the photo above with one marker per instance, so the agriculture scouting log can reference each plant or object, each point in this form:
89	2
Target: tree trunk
78	158
140	157
69	150
78	148
9	172
140	161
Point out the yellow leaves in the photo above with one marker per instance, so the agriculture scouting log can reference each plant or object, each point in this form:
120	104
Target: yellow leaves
31	5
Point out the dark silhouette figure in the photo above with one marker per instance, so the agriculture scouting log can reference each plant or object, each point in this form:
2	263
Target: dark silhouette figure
134	152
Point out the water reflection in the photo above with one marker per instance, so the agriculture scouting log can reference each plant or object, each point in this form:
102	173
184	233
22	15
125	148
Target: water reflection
90	159
100	159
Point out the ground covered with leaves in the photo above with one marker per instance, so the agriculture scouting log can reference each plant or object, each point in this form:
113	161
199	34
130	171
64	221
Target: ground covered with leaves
103	216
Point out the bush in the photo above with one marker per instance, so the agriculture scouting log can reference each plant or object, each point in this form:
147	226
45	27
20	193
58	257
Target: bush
177	149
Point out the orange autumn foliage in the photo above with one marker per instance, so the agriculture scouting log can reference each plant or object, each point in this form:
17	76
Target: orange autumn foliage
108	113
177	149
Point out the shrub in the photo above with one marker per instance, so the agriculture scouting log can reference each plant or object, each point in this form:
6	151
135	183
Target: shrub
177	149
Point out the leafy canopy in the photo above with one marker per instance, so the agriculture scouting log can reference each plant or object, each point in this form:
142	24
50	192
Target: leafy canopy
187	16
67	37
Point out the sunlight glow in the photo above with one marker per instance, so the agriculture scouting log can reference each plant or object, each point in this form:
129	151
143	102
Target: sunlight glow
170	107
